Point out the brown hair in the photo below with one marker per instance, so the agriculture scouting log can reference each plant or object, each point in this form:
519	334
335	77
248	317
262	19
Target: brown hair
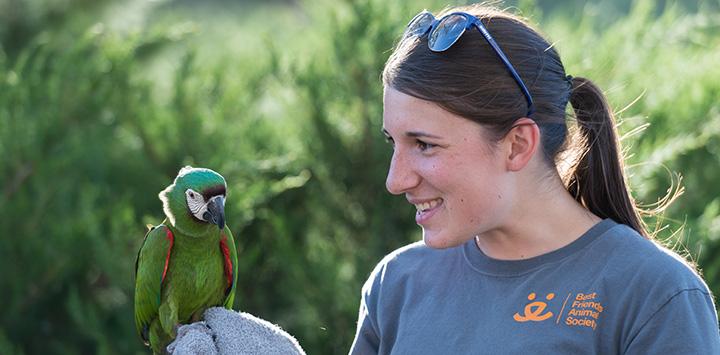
469	80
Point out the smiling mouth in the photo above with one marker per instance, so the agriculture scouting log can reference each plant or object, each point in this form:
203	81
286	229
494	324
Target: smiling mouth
422	207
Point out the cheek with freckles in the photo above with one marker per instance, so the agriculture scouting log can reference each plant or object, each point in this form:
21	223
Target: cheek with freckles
478	200
464	205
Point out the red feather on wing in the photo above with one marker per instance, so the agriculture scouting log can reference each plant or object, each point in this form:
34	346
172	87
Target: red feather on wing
171	238
228	262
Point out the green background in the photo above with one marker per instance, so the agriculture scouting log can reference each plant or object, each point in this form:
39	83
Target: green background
102	102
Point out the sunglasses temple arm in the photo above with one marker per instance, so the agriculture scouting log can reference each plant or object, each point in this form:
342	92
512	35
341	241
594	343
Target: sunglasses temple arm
510	68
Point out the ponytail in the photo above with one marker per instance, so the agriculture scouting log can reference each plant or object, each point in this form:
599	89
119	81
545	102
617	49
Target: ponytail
598	181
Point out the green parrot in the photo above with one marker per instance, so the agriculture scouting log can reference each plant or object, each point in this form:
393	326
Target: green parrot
189	262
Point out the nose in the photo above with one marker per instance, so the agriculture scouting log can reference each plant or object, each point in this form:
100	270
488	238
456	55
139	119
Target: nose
401	176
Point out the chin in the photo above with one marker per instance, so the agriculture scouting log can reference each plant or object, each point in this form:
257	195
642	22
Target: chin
441	240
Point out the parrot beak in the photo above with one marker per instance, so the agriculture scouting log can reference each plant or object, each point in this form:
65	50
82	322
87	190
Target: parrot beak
216	207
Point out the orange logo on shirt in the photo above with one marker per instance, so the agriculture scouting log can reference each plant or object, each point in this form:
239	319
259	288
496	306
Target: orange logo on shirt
534	310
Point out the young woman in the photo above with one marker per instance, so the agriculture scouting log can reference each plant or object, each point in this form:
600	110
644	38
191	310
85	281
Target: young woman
531	240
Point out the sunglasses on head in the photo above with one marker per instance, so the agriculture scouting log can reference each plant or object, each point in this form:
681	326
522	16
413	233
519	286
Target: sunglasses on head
443	33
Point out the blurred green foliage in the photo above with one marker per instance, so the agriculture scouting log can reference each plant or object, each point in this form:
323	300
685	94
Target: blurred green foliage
96	119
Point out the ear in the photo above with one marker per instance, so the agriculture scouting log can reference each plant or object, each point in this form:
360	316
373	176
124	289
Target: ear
522	141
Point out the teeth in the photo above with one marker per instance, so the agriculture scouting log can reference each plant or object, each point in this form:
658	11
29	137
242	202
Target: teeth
427	205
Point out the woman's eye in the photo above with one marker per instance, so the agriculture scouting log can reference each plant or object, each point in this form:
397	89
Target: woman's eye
423	146
389	140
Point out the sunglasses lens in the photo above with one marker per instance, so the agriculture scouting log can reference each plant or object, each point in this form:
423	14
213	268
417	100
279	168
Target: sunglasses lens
447	32
419	24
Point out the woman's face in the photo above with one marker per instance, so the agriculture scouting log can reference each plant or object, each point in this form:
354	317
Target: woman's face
446	166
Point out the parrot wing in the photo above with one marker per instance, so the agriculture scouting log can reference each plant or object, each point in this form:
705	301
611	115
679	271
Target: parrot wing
229	251
150	269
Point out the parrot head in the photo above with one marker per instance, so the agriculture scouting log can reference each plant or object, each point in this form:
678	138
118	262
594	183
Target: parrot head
195	202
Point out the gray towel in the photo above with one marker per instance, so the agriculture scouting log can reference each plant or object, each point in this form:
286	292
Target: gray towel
228	332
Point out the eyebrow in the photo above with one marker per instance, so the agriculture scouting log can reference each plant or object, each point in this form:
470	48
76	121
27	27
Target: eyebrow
414	134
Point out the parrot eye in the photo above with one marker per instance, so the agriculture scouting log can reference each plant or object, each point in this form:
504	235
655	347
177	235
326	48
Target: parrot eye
192	195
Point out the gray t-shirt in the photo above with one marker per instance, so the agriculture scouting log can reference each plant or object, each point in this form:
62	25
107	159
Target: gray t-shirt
609	292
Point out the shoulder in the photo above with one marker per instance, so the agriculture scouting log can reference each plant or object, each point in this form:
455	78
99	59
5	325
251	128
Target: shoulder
409	256
406	262
159	233
660	292
158	237
647	262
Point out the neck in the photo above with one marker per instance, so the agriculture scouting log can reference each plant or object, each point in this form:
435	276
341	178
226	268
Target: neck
551	219
195	230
